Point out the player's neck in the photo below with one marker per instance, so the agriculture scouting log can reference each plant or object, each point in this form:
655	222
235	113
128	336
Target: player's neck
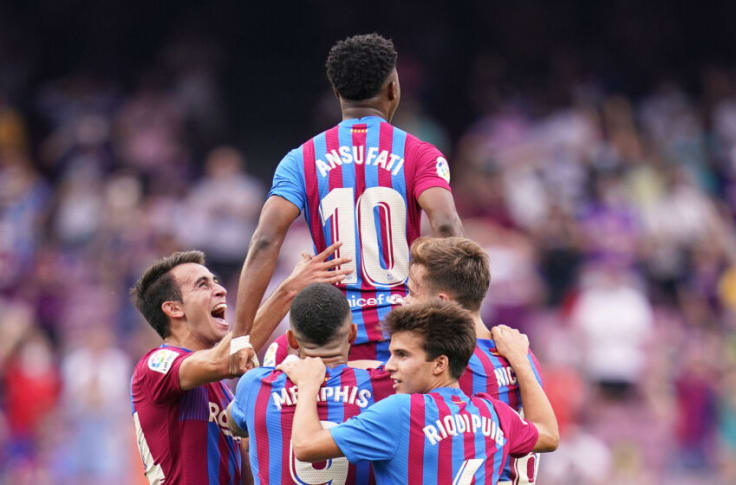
330	360
445	381
354	112
481	331
186	340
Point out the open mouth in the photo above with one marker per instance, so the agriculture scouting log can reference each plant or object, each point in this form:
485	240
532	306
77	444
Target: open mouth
218	313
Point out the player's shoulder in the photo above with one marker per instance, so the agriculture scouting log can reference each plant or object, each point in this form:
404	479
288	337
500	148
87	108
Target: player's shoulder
366	371
259	374
396	403
488	348
159	359
416	144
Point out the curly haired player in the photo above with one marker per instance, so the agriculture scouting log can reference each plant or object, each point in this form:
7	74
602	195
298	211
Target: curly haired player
363	182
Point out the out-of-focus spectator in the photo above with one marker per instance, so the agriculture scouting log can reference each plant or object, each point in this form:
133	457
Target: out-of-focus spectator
615	319
32	385
96	386
221	210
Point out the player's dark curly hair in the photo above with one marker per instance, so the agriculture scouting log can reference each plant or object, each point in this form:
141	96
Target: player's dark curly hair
358	65
157	286
445	327
317	312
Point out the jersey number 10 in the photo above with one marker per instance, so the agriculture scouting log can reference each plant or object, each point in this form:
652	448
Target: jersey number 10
378	208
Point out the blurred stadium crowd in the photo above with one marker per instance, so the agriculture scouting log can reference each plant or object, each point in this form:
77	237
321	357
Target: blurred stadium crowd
609	221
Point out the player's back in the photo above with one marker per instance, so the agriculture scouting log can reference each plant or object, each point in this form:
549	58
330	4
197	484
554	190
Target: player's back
489	372
264	407
359	183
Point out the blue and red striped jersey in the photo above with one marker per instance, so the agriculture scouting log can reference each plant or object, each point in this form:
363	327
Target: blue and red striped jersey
488	372
359	183
264	407
183	436
437	438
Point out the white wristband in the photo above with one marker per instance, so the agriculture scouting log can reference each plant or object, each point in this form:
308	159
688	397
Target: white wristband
243	342
238	343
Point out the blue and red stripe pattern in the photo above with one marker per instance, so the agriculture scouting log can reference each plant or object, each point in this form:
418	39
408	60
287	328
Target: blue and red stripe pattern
264	407
488	372
183	436
358	183
441	437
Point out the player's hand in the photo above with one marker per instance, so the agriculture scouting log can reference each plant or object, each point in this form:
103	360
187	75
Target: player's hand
510	343
317	269
306	372
241	362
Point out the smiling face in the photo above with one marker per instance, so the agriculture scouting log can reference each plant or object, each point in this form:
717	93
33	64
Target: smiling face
410	371
203	305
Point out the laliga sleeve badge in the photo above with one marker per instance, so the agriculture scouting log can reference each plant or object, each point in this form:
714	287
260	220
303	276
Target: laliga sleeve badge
269	359
161	360
443	169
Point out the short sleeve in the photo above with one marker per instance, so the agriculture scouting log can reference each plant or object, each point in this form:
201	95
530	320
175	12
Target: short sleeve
521	435
375	433
247	385
432	169
160	374
287	180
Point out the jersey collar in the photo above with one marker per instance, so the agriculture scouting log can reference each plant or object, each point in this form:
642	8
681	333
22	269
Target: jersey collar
364	120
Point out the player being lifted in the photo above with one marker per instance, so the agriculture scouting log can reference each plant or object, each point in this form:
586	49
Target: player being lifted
363	182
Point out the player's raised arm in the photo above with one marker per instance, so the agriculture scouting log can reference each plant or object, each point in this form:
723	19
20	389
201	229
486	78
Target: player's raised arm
276	217
439	205
215	364
310	269
309	440
514	346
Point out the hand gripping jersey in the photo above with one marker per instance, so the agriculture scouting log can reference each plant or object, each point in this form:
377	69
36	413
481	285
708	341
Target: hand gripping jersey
183	436
490	373
358	183
264	407
443	437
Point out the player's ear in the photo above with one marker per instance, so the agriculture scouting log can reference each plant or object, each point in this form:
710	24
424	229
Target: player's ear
291	338
393	90
441	364
353	333
172	309
444	296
